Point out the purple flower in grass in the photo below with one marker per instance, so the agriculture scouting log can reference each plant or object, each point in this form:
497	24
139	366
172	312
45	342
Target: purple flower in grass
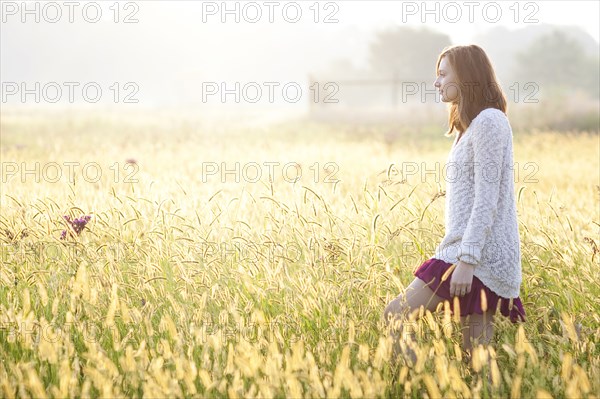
76	224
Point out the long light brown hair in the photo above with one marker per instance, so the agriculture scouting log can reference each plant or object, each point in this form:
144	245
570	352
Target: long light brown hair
478	86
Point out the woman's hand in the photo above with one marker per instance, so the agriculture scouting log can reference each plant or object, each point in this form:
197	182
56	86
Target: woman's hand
462	278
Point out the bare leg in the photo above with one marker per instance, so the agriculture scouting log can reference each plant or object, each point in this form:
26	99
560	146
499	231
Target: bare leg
396	313
478	329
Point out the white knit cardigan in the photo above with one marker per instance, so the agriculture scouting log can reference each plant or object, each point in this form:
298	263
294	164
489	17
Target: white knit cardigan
480	208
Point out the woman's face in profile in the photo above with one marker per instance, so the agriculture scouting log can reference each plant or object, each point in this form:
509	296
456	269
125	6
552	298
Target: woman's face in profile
445	82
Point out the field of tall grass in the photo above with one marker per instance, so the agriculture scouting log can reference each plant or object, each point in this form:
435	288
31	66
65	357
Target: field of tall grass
187	283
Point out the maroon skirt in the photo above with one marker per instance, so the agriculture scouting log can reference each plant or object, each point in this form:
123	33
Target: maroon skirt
431	272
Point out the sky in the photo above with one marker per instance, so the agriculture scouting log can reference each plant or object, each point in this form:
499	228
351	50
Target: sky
173	46
582	13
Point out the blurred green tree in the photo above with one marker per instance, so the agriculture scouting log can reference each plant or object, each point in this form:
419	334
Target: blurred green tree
410	53
557	62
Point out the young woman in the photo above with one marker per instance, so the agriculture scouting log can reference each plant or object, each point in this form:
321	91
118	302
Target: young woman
479	259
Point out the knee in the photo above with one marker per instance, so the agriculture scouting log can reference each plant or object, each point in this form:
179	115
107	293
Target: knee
393	311
387	314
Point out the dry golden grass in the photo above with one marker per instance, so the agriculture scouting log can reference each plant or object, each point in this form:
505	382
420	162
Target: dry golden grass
184	288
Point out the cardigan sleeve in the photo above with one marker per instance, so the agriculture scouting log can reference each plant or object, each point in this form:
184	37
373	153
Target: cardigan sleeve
490	140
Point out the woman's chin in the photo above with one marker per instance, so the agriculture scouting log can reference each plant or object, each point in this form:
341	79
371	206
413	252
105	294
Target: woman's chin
448	100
